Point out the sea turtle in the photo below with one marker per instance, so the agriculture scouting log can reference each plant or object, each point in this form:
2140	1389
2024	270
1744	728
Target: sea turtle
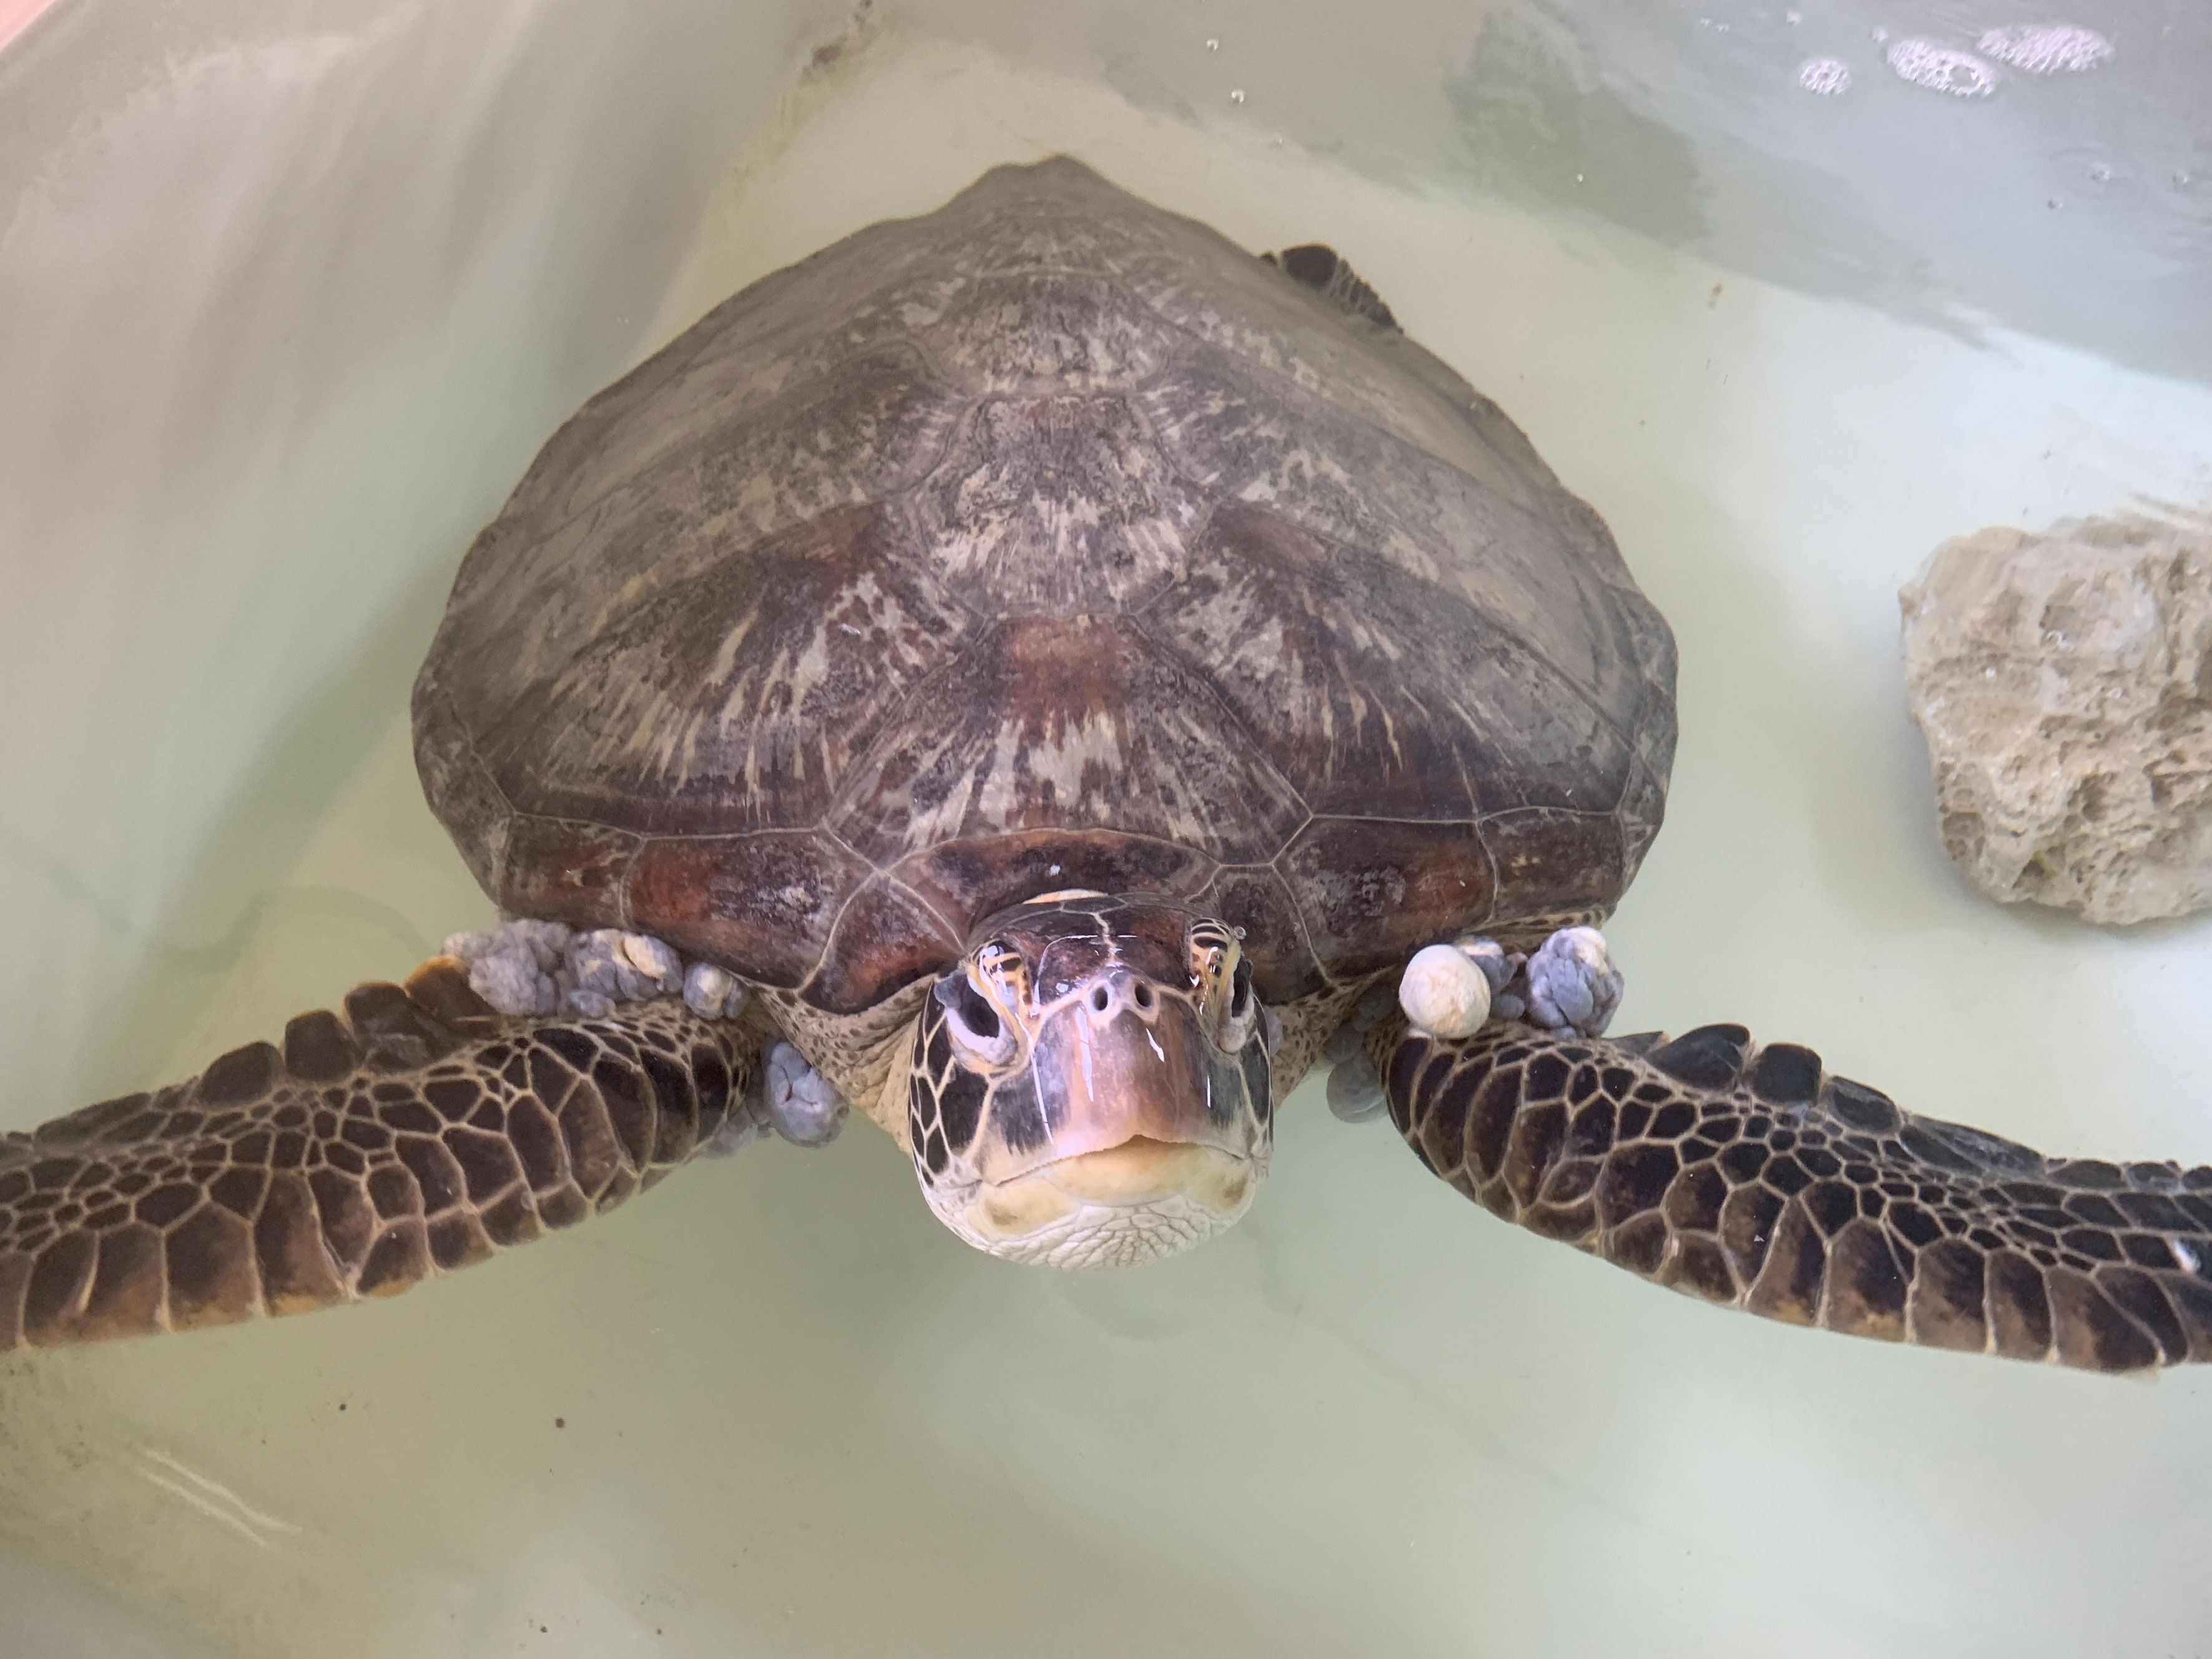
1051	677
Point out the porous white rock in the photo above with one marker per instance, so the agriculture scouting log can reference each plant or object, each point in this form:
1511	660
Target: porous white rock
2063	682
547	941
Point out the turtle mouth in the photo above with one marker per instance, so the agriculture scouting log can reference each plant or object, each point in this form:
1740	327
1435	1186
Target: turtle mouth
1142	1200
1143	1170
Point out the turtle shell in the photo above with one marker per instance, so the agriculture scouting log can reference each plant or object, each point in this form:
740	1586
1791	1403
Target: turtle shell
1047	540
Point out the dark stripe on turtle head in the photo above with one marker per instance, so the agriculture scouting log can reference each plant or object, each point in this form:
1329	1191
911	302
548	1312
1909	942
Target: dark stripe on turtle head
1253	1057
960	1106
1020	1119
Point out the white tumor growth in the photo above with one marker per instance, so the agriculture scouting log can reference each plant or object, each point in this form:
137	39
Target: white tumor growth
1443	993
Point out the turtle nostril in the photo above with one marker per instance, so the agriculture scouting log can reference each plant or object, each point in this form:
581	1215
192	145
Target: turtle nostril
1143	995
1098	997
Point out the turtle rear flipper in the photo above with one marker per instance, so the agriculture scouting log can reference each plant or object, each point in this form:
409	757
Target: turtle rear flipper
413	1133
1322	269
1746	1175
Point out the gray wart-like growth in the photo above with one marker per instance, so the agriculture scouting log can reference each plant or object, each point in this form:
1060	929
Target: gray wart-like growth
1748	1175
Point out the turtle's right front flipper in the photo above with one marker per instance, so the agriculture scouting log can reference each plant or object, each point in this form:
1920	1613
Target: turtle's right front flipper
1748	1175
414	1133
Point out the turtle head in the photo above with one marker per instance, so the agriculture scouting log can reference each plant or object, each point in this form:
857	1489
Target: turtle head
1090	1082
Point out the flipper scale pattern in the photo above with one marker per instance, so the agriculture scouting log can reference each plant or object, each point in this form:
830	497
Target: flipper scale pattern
413	1133
1746	1174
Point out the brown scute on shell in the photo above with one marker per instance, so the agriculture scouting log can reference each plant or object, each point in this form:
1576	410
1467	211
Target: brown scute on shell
1566	858
884	930
749	692
1376	890
458	784
1338	665
962	878
571	869
1063	722
768	901
1028	476
1045	540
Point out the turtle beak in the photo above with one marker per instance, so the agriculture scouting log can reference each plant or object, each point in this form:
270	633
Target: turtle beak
1126	1060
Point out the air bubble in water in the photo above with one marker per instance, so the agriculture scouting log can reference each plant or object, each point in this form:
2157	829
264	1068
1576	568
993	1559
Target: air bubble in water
1236	95
2047	48
1825	76
1939	69
1212	44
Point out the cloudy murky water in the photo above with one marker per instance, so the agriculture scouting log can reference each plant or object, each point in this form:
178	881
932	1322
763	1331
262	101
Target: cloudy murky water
282	321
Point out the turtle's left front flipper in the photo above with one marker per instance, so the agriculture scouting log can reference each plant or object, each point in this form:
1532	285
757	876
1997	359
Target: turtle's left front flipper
1746	1175
415	1132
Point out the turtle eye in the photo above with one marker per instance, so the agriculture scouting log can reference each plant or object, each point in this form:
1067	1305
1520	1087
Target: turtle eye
1239	1018
976	1012
974	1023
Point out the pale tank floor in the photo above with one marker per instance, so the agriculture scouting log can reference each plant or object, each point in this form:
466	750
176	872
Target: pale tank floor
775	1408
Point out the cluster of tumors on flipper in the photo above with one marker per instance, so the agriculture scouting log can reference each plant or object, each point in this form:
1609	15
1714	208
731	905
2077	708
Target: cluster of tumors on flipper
528	967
